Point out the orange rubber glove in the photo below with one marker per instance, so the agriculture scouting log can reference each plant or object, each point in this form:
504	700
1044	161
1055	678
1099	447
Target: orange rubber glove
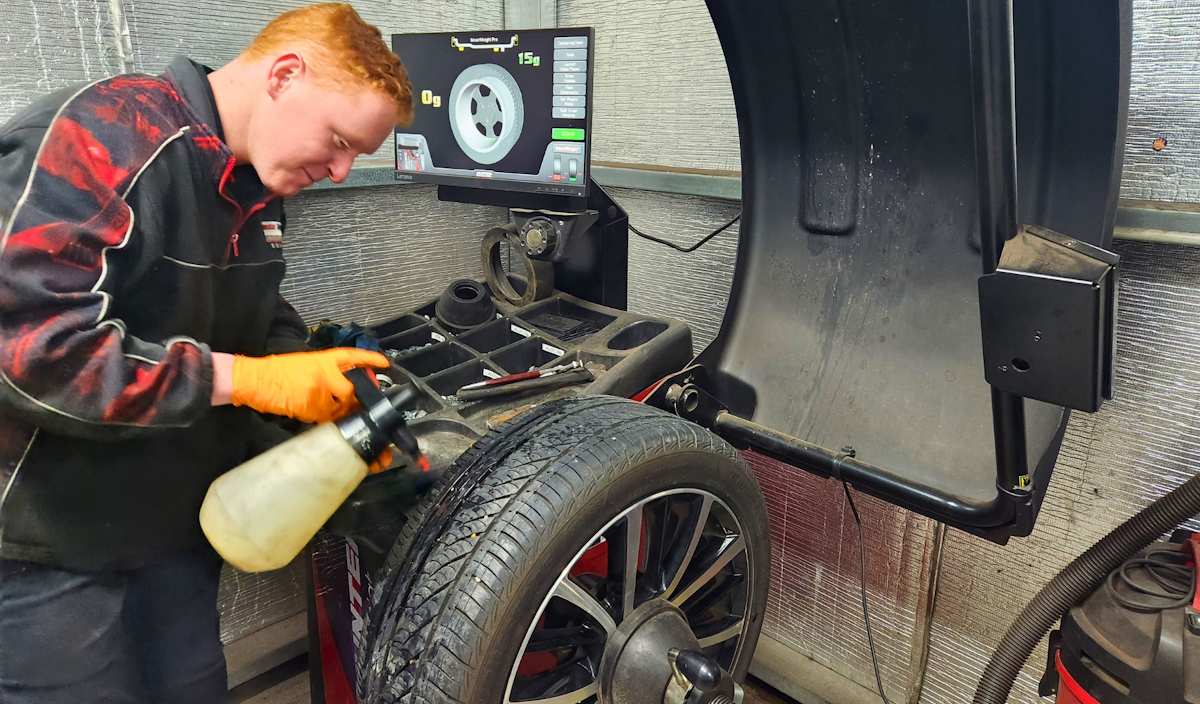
308	386
382	462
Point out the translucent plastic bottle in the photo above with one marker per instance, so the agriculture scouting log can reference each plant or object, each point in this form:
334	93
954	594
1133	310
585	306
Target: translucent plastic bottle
262	513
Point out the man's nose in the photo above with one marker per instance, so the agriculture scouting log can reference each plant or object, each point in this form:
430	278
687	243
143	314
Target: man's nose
340	168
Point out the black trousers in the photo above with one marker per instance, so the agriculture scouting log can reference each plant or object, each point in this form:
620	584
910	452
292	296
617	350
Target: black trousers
147	635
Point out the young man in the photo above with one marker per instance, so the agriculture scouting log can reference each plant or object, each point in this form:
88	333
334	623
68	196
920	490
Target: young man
140	224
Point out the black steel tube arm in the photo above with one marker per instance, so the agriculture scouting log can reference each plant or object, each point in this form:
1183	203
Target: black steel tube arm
866	477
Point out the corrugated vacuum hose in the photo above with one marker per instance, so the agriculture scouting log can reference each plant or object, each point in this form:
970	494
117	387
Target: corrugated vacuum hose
1076	581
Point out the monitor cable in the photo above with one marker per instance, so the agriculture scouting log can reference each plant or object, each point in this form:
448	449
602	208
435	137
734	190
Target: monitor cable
862	549
686	250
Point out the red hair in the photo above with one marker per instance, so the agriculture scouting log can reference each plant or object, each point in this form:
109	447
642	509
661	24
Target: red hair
340	41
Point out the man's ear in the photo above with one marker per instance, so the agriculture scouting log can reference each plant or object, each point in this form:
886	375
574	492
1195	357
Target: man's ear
284	71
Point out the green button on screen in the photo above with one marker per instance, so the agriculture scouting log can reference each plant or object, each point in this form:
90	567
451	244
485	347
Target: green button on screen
567	134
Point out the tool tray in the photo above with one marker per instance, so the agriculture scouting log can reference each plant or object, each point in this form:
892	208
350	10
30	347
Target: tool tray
626	352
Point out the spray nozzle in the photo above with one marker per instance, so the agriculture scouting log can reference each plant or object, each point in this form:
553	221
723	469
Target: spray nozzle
381	421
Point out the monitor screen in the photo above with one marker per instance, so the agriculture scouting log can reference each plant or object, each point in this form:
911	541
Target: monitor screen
505	110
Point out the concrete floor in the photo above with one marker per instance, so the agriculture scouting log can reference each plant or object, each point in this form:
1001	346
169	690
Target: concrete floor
288	684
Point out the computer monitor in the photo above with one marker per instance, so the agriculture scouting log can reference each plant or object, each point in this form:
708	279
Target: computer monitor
504	110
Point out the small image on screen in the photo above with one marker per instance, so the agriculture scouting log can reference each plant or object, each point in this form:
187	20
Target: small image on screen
507	110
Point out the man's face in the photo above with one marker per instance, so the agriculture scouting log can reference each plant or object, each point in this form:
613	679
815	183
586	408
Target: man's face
305	131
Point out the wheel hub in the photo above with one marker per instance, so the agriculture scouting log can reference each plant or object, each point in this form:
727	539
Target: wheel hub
635	668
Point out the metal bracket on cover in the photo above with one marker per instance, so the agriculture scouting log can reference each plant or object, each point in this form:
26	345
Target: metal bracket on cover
1048	315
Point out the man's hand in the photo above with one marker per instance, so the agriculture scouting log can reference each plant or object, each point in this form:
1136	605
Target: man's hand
382	462
308	386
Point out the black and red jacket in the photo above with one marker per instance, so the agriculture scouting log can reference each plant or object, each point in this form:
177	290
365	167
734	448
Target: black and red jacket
131	248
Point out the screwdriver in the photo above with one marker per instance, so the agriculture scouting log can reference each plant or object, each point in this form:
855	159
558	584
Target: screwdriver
523	376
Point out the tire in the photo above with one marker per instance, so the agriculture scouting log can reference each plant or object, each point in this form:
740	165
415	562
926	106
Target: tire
468	583
486	112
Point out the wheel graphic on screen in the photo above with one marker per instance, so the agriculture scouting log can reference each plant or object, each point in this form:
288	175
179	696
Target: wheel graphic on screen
486	112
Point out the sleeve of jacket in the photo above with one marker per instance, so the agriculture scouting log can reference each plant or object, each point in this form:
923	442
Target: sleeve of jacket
288	333
65	364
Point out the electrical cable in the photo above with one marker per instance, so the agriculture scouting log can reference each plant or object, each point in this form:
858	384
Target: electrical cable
1166	566
686	250
862	550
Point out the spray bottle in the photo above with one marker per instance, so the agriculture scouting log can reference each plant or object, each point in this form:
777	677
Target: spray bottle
262	513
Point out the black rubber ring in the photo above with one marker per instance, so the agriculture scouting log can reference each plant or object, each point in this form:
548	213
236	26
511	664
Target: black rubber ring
541	273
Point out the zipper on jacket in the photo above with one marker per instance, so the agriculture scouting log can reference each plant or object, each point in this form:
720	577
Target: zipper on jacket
243	216
232	249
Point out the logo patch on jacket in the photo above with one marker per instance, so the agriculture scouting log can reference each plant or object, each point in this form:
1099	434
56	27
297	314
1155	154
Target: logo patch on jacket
273	230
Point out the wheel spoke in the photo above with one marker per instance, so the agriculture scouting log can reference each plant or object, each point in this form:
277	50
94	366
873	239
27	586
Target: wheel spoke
700	604
556	638
576	676
724	557
575	697
656	516
693	541
575	594
733	631
633	542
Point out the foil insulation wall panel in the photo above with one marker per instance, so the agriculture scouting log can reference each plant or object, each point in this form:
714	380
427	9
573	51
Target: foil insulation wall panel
215	31
1164	102
365	254
51	44
662	91
814	606
250	602
659	275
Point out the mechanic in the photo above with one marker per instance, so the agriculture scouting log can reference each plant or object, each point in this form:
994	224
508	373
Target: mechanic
141	328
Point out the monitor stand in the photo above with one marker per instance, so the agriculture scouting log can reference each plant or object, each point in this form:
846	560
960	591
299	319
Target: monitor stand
516	199
596	266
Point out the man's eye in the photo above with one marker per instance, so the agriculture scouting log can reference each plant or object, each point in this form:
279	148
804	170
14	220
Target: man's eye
343	143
